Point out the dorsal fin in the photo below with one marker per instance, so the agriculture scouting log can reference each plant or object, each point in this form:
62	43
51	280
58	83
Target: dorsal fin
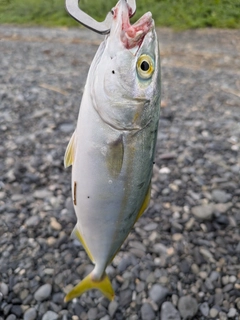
70	151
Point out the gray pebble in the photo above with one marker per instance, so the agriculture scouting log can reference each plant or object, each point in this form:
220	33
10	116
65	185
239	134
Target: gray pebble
92	313
204	308
50	315
221	196
213	312
222	315
106	317
187	307
151	226
218	298
169	312
158	293
147	312
30	314
42	194
43	292
67	127
204	212
4	288
112	308
11	317
32	221
232	313
17	310
214	276
125	297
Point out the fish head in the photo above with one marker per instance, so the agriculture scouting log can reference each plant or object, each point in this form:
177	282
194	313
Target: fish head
127	74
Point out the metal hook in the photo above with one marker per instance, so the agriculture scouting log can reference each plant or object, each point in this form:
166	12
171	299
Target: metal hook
103	27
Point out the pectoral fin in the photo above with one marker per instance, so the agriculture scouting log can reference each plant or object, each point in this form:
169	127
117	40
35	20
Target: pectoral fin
145	202
114	157
70	151
77	235
88	283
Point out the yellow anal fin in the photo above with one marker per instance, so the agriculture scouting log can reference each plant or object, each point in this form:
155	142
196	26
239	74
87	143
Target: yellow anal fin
77	235
88	283
145	202
70	151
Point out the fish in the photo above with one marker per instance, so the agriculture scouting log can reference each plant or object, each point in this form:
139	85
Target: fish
113	146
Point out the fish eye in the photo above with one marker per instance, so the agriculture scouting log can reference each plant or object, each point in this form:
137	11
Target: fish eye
145	66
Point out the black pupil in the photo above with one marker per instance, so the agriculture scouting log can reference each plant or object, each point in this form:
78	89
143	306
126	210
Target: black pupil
145	66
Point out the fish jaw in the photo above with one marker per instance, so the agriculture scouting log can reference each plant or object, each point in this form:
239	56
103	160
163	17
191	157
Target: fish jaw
130	36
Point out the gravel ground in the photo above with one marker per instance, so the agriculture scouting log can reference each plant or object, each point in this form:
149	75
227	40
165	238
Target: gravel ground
181	261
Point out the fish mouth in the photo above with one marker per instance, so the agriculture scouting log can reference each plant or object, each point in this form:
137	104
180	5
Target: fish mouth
131	35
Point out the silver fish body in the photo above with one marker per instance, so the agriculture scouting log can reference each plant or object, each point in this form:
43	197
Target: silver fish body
112	149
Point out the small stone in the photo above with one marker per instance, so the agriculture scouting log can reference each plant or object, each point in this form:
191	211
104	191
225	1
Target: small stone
213	312
175	300
185	266
204	212
11	317
232	313
106	317
23	294
147	312
158	293
4	288
232	279
221	196
151	226
225	280
17	310
164	170
209	285
55	225
207	255
177	237
42	194
30	314
66	127
92	313
222	315
137	245
214	276
187	307
204	308
218	298
32	221
159	248
51	241
169	312
228	287
112	308
222	207
43	292
189	224
195	268
50	315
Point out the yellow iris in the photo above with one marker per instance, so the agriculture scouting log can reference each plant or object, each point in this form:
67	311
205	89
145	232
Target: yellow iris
145	66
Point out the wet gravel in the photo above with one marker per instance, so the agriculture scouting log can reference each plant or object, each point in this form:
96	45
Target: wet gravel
181	261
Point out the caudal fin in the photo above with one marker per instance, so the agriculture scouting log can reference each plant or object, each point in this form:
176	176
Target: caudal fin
88	283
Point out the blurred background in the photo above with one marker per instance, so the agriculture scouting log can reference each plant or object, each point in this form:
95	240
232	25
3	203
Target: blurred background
179	14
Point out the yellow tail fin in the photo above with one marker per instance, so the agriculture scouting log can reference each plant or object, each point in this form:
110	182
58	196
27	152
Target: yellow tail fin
88	283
